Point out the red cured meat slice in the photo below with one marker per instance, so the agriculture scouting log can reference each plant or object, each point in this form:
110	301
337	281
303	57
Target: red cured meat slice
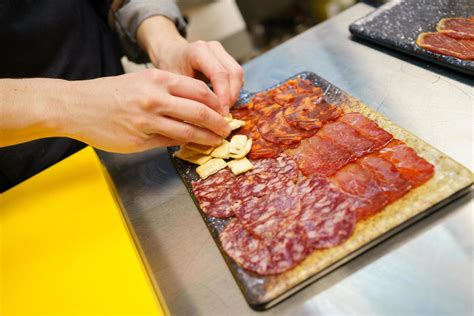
263	256
327	215
411	166
260	147
443	44
287	249
310	112
268	175
367	128
213	195
249	252
462	28
368	197
267	215
262	100
345	136
387	176
245	112
265	199
317	155
274	128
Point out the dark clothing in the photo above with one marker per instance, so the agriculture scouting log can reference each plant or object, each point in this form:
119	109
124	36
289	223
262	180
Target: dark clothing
68	39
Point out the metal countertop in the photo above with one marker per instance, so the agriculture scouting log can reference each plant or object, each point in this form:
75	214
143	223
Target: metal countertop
425	270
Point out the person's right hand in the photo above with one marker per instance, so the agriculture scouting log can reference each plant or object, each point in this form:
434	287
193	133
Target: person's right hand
138	111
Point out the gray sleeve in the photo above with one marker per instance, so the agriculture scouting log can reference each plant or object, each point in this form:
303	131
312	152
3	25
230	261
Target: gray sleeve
133	12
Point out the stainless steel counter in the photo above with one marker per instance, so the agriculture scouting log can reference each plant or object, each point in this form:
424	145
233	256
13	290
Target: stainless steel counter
425	270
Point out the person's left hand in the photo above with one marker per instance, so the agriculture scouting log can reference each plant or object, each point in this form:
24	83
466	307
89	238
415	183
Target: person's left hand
169	51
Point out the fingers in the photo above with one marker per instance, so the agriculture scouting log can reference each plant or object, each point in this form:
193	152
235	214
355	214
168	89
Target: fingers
205	61
183	132
156	140
193	89
234	70
196	113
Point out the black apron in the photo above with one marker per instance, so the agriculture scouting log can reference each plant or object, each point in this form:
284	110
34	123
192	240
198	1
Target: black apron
67	39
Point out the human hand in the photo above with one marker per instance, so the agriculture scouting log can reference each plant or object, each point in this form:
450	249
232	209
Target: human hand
143	110
169	51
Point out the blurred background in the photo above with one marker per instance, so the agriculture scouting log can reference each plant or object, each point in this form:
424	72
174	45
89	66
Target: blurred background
247	28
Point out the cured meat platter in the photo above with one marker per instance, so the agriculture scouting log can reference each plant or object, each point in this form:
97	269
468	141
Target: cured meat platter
398	23
266	281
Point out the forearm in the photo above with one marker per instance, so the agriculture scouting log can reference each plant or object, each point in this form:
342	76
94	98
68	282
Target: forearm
31	109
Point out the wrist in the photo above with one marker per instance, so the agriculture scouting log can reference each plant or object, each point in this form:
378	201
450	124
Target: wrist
158	36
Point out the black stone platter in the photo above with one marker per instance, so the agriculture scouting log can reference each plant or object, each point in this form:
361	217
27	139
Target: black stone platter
451	180
397	24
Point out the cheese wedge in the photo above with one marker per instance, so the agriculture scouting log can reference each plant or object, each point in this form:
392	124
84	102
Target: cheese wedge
244	151
202	149
240	166
211	167
221	151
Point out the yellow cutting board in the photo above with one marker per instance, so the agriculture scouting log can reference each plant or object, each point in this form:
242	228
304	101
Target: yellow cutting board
65	248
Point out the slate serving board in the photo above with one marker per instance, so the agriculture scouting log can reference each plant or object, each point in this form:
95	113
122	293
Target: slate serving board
397	24
451	180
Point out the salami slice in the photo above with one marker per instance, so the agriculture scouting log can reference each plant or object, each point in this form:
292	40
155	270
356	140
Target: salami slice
367	128
266	199
270	214
411	166
268	175
213	195
274	128
287	249
345	136
387	176
327	215
263	256
247	251
317	155
310	112
368	197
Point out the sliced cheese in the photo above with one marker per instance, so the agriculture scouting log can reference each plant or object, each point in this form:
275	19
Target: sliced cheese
244	151
222	151
211	167
202	149
235	124
240	166
192	156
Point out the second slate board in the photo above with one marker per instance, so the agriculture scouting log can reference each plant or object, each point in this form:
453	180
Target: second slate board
398	23
450	181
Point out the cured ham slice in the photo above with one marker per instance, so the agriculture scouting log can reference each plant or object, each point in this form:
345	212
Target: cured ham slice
310	112
367	128
411	166
368	197
275	129
460	28
387	176
327	214
443	44
345	136
213	195
263	256
317	155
